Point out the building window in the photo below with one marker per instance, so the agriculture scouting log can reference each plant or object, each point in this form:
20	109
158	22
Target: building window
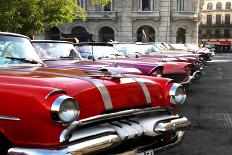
228	5
209	6
146	34
108	7
218	19
81	33
106	34
227	33
208	33
217	33
146	5
199	32
81	3
209	19
181	36
227	19
219	6
180	5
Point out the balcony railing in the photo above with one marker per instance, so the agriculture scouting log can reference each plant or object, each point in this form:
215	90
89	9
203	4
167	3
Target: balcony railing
180	15
101	15
214	36
154	15
215	25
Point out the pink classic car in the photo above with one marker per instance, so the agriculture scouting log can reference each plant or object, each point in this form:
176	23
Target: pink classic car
60	111
180	72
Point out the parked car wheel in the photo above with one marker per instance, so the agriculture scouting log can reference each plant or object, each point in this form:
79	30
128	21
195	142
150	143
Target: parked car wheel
4	144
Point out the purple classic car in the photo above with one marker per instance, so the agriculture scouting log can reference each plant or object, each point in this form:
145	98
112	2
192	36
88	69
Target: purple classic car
61	54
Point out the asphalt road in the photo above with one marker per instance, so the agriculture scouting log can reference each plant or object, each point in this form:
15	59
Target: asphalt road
209	108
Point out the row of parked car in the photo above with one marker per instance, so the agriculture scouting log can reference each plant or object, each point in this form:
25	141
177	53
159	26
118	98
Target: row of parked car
90	98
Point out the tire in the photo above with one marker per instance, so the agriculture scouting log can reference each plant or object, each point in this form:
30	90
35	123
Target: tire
4	145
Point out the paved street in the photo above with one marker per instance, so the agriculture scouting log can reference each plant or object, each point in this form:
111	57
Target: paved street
209	107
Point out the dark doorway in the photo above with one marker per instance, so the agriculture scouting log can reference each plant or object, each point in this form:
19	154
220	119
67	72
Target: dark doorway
146	34
106	34
181	36
81	33
54	33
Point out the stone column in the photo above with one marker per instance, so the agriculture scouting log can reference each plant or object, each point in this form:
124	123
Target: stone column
165	21
124	21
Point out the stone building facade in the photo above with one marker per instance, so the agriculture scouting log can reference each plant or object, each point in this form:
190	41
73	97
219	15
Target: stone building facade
215	22
172	21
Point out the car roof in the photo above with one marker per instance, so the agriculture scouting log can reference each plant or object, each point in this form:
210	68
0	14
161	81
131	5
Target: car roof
50	41
13	34
93	44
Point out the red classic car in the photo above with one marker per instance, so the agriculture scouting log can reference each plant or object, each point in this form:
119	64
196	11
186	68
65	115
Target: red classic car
59	111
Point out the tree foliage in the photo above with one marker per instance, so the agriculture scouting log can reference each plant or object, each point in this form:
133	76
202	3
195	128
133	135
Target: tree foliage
32	16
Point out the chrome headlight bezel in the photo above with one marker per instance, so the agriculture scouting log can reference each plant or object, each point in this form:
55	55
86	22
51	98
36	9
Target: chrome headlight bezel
177	94
64	109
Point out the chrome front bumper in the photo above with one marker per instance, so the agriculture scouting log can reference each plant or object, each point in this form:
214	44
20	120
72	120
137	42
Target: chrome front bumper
187	83
102	136
196	76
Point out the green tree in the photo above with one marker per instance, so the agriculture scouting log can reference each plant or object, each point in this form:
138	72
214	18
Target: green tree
31	16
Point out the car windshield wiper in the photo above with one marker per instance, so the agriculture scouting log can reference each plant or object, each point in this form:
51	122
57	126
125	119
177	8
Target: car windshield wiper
24	60
68	58
102	57
115	54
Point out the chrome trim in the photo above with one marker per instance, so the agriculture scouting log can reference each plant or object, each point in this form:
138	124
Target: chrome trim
172	93
55	108
91	145
146	92
188	82
196	75
58	91
98	137
116	115
102	89
169	82
175	124
9	118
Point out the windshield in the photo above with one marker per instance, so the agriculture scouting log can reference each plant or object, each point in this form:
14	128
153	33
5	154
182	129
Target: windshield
135	49
178	46
15	49
56	50
99	51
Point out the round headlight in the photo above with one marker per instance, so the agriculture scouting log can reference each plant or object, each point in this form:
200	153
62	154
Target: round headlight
65	109
177	94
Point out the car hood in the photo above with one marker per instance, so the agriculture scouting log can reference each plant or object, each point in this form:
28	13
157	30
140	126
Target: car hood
92	66
95	94
146	65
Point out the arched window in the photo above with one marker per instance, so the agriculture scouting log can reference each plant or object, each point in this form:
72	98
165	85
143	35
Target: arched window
106	34
219	6
81	33
228	5
146	34
54	33
209	6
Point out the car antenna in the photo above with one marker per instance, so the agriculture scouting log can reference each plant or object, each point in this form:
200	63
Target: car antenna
92	54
